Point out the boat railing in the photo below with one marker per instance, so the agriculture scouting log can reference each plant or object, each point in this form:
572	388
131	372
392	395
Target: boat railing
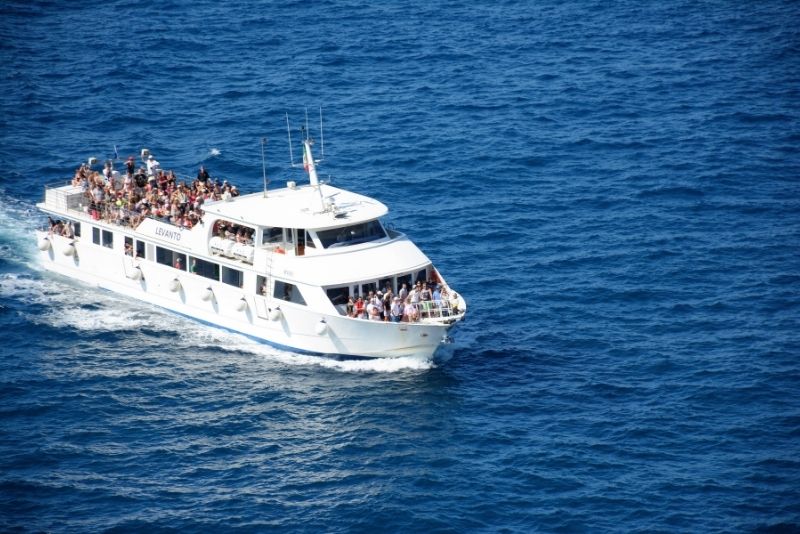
63	196
430	311
436	310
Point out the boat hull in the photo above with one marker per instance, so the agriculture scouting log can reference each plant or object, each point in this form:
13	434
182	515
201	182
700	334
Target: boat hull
273	321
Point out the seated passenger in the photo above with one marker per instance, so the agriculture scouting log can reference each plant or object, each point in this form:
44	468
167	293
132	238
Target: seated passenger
375	315
350	308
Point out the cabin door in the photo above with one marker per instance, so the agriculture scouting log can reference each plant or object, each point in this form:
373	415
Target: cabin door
300	239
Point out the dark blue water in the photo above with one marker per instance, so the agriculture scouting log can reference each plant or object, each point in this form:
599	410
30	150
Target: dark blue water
614	187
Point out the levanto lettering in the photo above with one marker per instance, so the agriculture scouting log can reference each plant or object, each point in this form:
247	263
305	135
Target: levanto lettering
169	234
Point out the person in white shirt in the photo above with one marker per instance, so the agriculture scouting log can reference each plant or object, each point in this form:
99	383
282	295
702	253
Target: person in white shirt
152	165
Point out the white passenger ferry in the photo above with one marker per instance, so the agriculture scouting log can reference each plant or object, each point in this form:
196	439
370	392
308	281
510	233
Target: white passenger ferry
285	266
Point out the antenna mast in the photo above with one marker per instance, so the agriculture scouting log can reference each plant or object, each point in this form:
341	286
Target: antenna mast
264	164
321	136
289	133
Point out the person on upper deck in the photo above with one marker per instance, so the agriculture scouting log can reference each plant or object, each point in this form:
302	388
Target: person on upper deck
202	175
152	165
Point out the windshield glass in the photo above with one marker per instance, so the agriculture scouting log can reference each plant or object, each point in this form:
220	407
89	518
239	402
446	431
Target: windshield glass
351	235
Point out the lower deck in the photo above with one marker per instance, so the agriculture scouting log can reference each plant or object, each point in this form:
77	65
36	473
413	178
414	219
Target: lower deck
229	296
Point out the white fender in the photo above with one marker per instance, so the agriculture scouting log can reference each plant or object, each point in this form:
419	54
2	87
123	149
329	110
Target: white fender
207	294
275	314
43	244
174	285
241	304
69	249
136	274
321	327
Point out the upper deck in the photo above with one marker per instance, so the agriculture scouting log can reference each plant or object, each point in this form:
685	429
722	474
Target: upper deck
299	206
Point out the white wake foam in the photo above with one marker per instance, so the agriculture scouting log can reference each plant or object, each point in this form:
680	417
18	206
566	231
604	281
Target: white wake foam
18	220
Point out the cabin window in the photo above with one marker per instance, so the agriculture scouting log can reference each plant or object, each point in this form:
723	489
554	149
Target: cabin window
128	246
140	249
261	286
95	235
309	240
386	282
288	292
338	295
108	239
165	256
366	288
232	277
403	279
205	268
351	235
76	229
272	236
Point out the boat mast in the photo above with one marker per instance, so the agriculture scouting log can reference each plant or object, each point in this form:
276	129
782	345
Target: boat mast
309	163
264	165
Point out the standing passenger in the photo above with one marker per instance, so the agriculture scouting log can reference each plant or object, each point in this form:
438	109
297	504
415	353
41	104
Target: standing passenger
403	293
397	310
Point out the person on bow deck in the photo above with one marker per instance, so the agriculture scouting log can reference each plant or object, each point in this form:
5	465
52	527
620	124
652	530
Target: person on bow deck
397	310
403	293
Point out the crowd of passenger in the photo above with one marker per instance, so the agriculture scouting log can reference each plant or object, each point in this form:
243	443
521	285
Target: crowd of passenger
62	228
422	300
148	191
234	232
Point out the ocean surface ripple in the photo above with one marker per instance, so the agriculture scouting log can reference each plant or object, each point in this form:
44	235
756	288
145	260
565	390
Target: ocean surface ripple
612	186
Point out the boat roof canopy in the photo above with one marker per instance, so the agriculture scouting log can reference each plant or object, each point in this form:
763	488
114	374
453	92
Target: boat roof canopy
299	207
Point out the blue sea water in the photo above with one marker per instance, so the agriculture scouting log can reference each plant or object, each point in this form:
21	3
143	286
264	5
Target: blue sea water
613	186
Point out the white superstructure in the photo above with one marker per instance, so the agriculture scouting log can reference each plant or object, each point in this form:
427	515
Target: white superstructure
304	251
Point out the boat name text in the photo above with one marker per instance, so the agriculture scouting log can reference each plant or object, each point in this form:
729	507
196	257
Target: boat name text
168	234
